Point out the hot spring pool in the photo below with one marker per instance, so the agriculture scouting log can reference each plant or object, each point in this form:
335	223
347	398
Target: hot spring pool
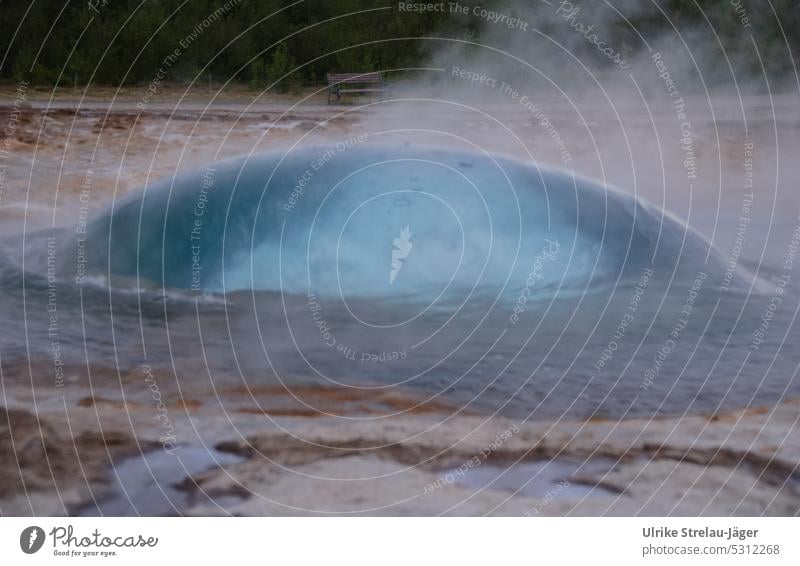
481	282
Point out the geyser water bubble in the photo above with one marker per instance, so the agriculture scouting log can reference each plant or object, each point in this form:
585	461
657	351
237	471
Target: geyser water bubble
422	224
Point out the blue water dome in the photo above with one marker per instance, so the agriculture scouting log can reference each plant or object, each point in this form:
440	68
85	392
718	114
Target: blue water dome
384	221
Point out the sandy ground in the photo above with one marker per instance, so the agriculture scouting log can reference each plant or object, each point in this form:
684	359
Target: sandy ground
384	454
420	462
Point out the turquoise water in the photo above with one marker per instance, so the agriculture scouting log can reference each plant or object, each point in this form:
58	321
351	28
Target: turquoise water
381	221
481	282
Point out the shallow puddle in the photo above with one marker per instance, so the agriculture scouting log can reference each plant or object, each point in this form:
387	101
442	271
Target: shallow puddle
558	478
147	484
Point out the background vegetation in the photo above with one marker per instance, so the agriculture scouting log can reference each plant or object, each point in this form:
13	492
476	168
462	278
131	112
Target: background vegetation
256	42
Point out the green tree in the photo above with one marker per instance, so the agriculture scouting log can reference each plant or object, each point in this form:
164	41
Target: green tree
277	71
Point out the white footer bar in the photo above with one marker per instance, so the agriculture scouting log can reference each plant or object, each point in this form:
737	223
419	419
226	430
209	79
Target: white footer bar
400	541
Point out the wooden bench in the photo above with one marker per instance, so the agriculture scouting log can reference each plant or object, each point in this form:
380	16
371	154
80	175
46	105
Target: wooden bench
347	83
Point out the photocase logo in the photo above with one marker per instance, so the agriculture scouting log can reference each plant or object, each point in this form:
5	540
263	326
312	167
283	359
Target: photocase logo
402	247
31	539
